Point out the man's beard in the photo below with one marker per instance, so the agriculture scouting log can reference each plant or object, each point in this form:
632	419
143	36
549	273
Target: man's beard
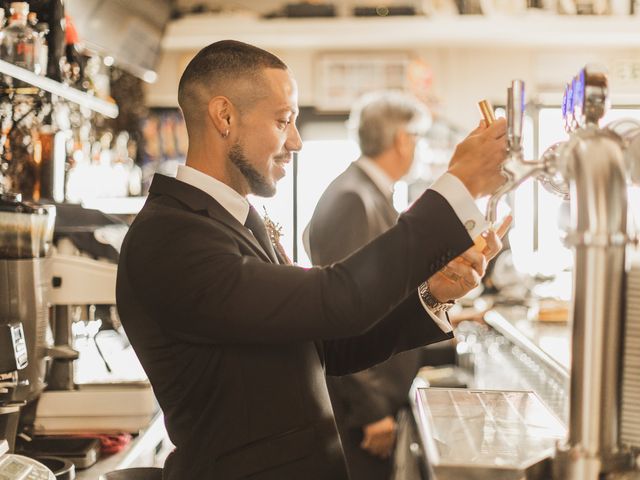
258	184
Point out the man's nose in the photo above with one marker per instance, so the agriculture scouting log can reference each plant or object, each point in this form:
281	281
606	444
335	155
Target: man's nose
294	142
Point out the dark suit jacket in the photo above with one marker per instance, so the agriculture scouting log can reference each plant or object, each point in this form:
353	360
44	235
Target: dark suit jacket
236	347
351	212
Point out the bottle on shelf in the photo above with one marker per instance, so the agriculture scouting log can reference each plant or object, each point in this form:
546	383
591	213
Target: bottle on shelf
42	48
72	64
51	13
18	43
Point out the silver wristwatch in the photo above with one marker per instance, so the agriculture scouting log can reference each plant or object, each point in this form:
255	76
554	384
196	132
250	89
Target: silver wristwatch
432	302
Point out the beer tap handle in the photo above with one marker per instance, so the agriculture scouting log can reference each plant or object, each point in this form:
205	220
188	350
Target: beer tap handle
515	115
487	112
512	168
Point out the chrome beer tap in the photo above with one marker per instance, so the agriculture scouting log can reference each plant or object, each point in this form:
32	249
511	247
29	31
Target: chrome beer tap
592	162
515	168
628	131
592	169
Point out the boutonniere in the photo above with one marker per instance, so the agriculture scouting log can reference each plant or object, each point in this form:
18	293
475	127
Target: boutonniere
274	230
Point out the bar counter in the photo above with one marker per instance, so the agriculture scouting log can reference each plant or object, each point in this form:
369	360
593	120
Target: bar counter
506	424
522	353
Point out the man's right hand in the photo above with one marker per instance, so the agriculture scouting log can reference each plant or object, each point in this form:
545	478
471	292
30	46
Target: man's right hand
477	159
379	437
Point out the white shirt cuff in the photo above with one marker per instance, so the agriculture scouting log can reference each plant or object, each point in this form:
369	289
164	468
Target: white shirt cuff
454	191
440	319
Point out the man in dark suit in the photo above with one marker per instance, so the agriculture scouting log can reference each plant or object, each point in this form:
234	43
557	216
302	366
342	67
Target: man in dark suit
235	344
356	208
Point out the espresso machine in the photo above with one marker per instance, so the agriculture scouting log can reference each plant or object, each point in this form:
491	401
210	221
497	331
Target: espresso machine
13	358
513	435
26	231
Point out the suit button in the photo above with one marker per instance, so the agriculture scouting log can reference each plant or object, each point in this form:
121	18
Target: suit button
469	224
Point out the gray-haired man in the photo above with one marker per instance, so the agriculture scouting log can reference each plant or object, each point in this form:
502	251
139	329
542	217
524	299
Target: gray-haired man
356	208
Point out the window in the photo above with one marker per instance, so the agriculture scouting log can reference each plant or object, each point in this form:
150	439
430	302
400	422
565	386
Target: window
542	218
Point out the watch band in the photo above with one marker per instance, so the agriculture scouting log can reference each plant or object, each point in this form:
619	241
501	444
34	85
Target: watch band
432	302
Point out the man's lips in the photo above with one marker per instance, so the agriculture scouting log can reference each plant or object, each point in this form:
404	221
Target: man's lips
283	158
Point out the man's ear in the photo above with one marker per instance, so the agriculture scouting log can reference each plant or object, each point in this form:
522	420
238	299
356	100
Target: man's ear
222	114
401	141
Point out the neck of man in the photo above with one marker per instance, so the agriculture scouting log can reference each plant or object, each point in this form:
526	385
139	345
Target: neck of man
212	160
388	161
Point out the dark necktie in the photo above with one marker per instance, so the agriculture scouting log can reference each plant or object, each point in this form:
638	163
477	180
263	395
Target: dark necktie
255	223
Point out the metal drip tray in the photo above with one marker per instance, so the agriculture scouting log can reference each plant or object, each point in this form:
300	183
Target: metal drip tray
484	434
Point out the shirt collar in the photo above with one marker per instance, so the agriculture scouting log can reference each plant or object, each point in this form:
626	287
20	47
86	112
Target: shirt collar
377	175
231	201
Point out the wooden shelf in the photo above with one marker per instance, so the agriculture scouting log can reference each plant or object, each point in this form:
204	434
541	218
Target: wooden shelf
68	93
532	30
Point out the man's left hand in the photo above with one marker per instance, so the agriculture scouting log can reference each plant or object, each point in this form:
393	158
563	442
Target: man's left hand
457	278
464	273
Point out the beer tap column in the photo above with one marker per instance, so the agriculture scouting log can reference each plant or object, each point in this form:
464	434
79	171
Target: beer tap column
593	163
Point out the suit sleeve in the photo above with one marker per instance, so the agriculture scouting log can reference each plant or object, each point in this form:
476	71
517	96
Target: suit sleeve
340	226
404	328
364	393
191	276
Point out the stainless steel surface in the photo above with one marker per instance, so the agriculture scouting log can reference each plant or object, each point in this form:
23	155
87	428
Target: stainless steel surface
596	95
515	115
512	168
23	289
515	168
630	424
472	434
594	163
529	342
629	132
549	177
518	353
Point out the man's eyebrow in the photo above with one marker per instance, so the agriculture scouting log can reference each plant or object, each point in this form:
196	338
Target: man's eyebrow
289	109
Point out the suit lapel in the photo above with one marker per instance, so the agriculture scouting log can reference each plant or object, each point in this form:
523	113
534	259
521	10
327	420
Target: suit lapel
199	201
218	212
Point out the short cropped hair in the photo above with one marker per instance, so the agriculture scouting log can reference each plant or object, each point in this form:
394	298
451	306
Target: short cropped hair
378	116
220	62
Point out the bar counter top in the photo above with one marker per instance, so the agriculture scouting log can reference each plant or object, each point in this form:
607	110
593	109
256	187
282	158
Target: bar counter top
551	339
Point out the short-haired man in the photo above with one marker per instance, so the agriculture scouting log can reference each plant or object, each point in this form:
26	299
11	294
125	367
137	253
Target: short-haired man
356	208
236	344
